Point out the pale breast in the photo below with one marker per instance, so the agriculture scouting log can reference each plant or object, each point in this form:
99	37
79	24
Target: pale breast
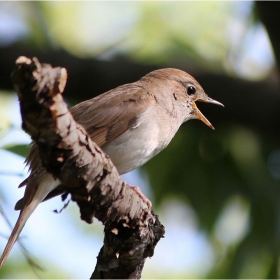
140	143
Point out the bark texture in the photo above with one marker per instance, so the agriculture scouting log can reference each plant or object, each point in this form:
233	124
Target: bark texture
131	228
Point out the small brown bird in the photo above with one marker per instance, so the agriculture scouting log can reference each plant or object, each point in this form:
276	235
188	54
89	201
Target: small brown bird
131	123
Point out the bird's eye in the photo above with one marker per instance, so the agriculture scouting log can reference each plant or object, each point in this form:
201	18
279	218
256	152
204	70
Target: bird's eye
191	90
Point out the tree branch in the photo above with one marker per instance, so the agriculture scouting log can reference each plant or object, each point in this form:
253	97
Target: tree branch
132	230
251	103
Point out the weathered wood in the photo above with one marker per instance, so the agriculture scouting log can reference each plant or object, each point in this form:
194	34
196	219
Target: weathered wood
132	230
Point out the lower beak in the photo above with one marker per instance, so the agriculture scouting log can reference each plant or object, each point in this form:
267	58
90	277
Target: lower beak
200	116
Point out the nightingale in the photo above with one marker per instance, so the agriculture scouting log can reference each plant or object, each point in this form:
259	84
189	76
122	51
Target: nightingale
131	123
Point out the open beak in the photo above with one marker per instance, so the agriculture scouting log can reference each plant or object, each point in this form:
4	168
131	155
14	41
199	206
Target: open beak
200	116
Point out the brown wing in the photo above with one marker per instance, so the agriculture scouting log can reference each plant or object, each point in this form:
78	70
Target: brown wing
107	116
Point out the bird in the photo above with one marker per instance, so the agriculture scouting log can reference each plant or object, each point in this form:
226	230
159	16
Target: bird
131	123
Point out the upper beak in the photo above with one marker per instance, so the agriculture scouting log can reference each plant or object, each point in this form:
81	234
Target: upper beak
210	100
200	116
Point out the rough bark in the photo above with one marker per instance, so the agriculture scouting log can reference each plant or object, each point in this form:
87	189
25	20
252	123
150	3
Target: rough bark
131	228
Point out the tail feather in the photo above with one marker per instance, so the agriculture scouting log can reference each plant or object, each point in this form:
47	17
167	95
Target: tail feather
45	187
23	217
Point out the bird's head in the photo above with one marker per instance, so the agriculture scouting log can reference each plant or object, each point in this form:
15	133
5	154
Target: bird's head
187	91
194	92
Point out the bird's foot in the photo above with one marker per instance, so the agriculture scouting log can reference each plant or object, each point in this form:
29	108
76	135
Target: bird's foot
142	196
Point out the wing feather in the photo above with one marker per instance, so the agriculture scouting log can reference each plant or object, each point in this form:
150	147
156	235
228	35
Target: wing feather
122	108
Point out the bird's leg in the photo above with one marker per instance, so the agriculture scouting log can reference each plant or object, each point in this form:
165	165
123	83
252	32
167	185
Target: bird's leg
142	196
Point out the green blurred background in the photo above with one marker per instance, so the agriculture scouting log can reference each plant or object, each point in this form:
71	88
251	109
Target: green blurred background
217	192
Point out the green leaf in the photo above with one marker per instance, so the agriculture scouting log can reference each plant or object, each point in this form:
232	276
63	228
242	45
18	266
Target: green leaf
20	149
